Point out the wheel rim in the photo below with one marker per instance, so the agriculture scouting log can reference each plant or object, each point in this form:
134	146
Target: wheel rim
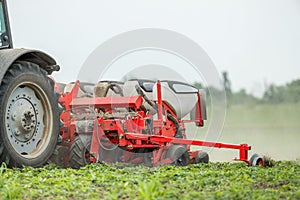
260	162
180	161
28	120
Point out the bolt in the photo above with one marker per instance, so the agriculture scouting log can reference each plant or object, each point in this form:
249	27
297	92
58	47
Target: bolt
17	132
13	117
27	136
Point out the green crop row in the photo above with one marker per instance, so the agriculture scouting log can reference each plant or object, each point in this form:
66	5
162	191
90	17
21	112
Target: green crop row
201	181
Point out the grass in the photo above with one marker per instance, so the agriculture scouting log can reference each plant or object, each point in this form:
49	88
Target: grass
201	181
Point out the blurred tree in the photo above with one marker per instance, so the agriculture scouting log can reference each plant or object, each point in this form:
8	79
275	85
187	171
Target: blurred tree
241	97
227	87
198	85
289	93
294	91
226	82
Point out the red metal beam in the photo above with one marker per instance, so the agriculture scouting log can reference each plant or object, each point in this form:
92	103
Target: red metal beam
198	114
159	101
163	139
109	102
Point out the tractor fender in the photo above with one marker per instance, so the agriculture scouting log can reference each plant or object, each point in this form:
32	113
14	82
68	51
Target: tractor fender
9	56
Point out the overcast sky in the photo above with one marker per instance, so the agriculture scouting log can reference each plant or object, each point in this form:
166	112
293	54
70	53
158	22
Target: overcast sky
257	42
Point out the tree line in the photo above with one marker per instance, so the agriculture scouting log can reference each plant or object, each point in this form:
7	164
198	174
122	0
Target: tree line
287	93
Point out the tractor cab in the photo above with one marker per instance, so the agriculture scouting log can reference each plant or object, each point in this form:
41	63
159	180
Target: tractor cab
5	36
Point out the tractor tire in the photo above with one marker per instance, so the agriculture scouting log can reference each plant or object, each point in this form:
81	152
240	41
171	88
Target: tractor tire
147	155
29	116
256	160
179	155
202	157
80	151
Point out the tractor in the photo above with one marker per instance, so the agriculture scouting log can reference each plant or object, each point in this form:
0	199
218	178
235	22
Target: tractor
29	112
137	122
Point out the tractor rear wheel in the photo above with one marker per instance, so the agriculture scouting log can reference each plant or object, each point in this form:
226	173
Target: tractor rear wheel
80	151
179	155
29	117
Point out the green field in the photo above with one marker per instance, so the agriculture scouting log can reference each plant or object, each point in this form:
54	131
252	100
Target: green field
201	181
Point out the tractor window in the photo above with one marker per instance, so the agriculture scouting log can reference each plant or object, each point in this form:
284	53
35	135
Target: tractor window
2	23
